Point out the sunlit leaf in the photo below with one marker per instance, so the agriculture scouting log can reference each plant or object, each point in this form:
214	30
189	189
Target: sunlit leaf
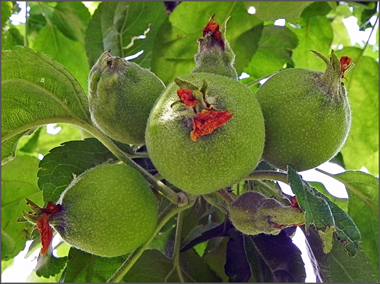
316	34
66	51
18	181
71	18
176	43
117	26
36	91
362	145
275	50
363	208
270	11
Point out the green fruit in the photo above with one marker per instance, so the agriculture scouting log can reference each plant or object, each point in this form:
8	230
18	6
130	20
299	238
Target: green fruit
215	160
108	211
121	95
252	213
307	115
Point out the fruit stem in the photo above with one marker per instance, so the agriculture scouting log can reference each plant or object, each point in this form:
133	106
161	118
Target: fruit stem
271	192
271	175
165	216
214	203
177	243
158	185
223	193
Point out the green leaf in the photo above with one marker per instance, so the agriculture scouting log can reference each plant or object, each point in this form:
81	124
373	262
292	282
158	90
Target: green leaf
315	34
362	145
6	12
18	181
176	43
344	227
49	265
42	142
320	8
11	38
8	147
151	267
71	18
83	267
275	50
317	210
341	202
195	268
36	91
271	11
363	208
62	164
69	53
115	25
337	266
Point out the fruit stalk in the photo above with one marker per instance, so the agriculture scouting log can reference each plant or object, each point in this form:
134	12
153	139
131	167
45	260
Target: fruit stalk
158	185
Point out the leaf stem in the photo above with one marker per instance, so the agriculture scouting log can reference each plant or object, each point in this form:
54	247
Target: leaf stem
177	243
179	199
135	255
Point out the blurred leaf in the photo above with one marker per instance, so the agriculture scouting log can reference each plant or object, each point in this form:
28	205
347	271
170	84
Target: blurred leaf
71	18
8	148
341	36
363	208
83	267
271	11
7	247
318	8
42	142
11	38
36	91
337	266
275	50
48	265
115	25
362	145
176	43
69	53
6	12
316	34
62	164
18	181
274	258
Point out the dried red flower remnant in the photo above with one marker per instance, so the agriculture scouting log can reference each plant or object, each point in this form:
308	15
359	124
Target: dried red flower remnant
43	226
213	29
45	231
295	203
345	65
206	121
187	97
